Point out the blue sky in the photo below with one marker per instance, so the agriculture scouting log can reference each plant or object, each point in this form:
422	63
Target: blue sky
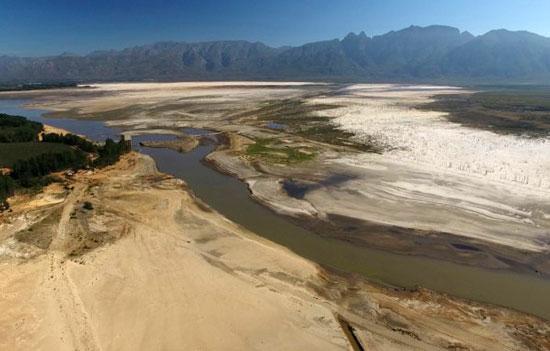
42	27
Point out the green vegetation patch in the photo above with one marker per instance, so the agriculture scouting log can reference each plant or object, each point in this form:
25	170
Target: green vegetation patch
274	151
110	152
37	86
31	172
292	111
518	102
31	162
13	152
330	134
15	129
70	139
7	189
505	111
304	120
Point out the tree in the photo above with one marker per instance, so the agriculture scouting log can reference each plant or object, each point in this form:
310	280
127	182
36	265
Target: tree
7	188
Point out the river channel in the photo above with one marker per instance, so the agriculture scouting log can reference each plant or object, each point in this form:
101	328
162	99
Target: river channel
230	197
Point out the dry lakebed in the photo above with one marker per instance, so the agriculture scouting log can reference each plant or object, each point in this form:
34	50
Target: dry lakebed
361	216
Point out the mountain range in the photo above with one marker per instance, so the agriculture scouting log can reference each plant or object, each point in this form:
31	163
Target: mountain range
413	54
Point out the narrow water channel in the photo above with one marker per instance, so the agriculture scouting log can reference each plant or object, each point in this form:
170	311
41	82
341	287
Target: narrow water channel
230	197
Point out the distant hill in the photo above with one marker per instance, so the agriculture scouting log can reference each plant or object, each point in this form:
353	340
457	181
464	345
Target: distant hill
414	54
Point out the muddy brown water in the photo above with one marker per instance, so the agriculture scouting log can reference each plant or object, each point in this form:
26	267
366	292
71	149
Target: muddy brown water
229	196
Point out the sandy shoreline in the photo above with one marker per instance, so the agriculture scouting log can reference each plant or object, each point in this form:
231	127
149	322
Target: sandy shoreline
185	277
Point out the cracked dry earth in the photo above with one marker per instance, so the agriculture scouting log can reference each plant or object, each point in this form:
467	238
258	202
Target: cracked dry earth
148	267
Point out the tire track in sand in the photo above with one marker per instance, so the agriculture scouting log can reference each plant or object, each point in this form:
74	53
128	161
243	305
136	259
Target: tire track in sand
72	312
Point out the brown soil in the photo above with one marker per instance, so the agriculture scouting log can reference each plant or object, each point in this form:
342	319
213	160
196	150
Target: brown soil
181	144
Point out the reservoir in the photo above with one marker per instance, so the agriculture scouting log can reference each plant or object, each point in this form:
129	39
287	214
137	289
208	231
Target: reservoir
229	196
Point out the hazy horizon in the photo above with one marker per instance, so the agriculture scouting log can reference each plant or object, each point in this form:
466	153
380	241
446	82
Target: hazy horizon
253	41
54	27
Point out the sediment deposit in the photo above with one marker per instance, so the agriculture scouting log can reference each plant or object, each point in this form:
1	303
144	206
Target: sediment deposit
111	278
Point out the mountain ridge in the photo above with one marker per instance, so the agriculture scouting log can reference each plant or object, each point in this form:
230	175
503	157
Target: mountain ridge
414	54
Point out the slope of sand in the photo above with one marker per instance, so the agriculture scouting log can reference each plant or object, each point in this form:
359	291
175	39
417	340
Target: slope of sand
161	286
150	267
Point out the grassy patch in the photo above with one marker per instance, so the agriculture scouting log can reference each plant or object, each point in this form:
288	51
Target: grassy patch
274	151
304	120
291	111
11	152
330	134
519	101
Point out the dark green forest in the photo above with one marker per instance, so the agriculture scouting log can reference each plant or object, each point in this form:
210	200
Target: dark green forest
15	129
36	86
10	153
31	161
70	139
